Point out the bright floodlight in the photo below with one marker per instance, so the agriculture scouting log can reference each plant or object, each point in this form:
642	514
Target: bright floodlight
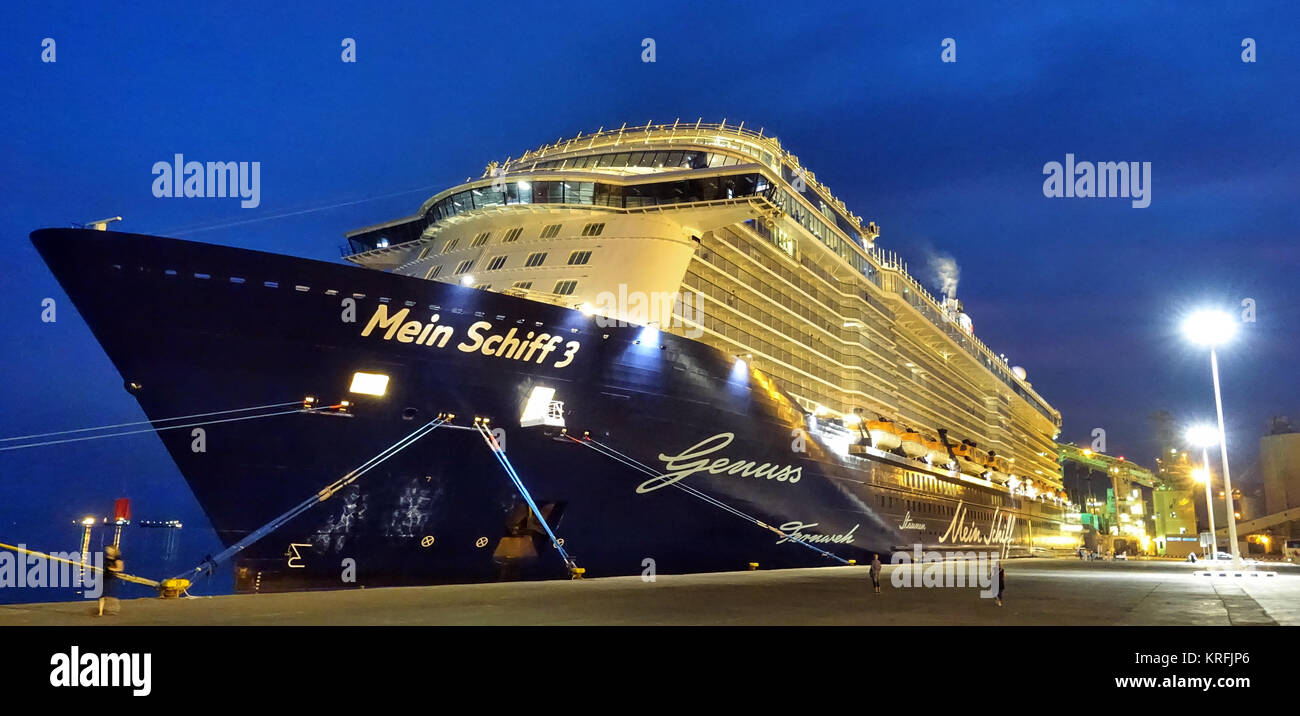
369	383
1209	328
1200	474
1203	436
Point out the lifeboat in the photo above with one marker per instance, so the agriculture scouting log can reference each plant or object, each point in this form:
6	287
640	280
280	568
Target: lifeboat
937	452
884	434
966	463
913	444
998	469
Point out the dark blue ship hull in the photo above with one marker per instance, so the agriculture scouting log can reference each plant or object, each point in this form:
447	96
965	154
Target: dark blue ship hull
196	328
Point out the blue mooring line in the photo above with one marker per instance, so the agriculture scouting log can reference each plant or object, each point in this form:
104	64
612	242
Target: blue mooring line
519	484
317	498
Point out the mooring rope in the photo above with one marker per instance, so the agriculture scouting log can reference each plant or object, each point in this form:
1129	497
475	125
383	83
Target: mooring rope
121	575
166	427
319	497
148	422
500	455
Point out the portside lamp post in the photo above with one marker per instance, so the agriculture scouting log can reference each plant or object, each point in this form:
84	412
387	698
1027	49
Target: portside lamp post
1214	328
1203	436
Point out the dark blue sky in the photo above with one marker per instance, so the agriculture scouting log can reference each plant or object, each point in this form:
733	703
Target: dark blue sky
1084	293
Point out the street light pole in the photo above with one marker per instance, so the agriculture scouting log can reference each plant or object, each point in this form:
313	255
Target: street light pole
1209	500
1223	453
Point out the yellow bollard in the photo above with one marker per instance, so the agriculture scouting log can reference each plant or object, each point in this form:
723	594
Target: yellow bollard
173	588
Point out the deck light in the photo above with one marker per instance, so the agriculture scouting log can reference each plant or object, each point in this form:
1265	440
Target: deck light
369	384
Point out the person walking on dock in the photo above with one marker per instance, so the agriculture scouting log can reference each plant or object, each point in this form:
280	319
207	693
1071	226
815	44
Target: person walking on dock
1002	584
875	572
113	564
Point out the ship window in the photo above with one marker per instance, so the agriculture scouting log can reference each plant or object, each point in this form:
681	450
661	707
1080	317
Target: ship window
433	272
565	288
579	192
424	253
450	246
482	286
620	160
578	258
548	192
519	193
605	160
512	235
523	285
550	232
464	266
593	229
481	239
535	259
496	262
608	195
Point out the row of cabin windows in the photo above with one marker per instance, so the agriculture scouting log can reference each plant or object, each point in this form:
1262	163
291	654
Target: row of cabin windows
577	258
564	287
548	232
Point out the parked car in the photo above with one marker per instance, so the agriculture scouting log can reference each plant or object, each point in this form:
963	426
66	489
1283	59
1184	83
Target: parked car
1225	557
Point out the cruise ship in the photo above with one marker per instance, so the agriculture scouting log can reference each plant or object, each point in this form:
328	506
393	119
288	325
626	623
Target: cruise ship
664	348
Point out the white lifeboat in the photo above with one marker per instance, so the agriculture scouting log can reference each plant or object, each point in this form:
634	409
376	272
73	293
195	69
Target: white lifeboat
966	463
913	444
937	453
998	469
884	434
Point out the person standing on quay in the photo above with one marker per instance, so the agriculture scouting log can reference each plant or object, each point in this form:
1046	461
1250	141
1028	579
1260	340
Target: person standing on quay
875	572
113	564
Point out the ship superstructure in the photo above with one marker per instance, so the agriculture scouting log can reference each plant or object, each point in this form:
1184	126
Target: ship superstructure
755	256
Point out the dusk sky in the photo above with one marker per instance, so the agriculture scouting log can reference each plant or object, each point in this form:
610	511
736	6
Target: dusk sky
1086	293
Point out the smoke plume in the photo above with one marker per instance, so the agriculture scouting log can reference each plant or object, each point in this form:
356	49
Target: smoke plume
946	273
